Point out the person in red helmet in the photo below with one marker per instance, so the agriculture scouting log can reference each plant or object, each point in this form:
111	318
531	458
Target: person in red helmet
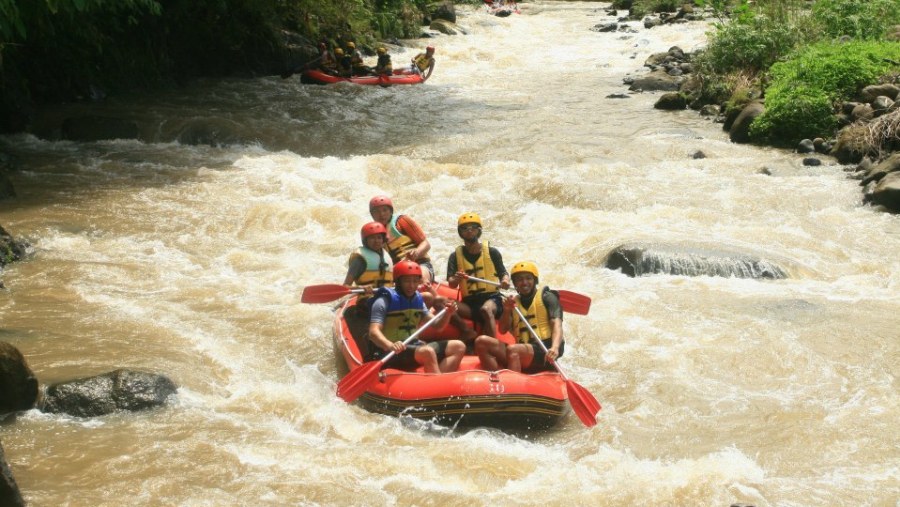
423	61
397	312
405	239
327	62
367	268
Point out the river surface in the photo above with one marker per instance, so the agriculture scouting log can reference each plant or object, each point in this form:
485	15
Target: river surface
189	260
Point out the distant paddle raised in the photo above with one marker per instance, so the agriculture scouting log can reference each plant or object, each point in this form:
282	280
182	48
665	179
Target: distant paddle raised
571	302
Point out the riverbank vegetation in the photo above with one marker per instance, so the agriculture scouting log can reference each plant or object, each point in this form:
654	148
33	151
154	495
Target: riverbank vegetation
805	58
63	50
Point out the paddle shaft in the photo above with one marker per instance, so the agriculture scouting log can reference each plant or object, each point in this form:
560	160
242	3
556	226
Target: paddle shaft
540	342
571	301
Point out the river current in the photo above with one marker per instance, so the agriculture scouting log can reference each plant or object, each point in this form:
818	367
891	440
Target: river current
189	260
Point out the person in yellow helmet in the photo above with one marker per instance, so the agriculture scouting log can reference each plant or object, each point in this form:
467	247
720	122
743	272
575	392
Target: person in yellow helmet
481	301
541	307
384	67
358	66
342	62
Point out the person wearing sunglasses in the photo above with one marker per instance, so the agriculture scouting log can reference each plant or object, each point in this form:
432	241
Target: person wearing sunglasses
481	302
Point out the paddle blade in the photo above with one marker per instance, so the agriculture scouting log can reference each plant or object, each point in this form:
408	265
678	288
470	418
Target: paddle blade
323	293
574	302
583	403
357	381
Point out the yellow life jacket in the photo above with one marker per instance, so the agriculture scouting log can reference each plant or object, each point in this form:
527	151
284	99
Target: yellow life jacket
422	62
376	274
482	268
402	316
398	243
537	316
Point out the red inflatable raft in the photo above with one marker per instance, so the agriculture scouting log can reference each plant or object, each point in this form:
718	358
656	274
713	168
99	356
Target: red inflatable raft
468	397
400	76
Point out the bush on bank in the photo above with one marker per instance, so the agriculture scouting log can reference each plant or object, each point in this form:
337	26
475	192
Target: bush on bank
803	57
804	88
61	50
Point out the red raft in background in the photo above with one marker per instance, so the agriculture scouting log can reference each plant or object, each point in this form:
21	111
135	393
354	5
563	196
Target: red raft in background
468	397
399	77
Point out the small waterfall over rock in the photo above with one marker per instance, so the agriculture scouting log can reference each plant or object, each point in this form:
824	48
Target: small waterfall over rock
646	260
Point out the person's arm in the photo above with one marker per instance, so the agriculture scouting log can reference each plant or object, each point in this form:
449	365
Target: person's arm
356	268
505	320
554	310
411	228
502	274
451	307
376	328
452	268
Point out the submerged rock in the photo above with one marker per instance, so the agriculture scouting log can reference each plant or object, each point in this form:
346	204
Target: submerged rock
9	491
638	260
18	385
107	393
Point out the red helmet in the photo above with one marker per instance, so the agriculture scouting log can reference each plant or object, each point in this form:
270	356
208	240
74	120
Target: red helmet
430	49
371	229
380	200
406	268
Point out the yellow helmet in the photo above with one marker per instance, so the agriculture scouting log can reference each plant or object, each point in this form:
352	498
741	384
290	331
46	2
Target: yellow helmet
351	45
524	267
338	52
469	218
382	51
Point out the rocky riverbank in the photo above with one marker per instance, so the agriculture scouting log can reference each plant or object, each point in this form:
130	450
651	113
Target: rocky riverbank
866	122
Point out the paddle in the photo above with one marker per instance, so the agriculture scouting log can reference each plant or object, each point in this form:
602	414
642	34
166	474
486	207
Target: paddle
582	401
571	302
326	293
357	381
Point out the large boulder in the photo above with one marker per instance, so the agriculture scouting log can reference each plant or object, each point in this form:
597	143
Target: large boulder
103	394
887	192
740	129
9	491
851	145
657	80
640	260
18	385
446	27
10	248
444	10
882	169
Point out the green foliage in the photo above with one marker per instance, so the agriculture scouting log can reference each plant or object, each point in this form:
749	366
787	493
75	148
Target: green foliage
793	113
804	89
840	69
858	19
752	44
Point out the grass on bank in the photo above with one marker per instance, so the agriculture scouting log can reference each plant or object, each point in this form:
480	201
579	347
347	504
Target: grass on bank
804	57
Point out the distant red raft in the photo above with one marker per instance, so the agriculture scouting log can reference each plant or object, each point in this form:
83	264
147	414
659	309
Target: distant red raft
469	397
400	77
